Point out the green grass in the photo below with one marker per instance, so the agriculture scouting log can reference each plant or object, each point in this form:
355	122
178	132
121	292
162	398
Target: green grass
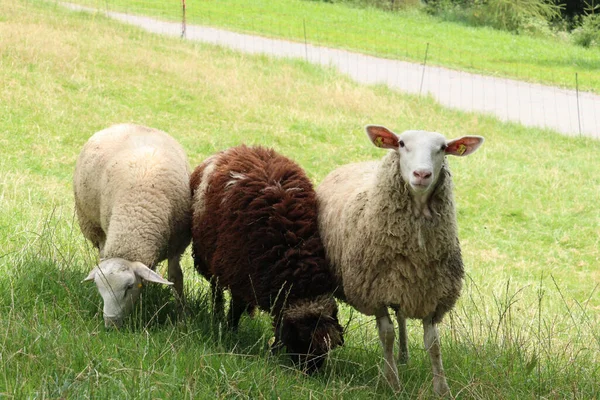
402	35
525	327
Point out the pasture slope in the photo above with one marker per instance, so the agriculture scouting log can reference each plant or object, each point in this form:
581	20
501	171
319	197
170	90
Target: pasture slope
567	111
525	327
403	35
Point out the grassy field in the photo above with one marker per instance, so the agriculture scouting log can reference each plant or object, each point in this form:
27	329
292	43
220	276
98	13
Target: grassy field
526	326
402	35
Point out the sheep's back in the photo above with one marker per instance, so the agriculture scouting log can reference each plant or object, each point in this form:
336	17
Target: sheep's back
132	183
257	231
342	198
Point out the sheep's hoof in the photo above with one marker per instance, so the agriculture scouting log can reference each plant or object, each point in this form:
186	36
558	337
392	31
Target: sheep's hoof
393	380
181	307
183	313
403	358
440	387
274	345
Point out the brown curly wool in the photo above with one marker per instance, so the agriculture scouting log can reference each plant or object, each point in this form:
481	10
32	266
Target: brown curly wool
255	232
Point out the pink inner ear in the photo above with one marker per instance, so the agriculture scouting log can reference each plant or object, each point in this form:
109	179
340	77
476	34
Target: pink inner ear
382	137
463	146
456	148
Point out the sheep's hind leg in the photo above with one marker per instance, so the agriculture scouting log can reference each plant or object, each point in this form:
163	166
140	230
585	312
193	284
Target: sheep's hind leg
387	336
402	340
431	338
218	300
237	307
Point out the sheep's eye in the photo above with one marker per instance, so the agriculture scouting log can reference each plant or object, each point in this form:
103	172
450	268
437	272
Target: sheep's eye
401	143
128	288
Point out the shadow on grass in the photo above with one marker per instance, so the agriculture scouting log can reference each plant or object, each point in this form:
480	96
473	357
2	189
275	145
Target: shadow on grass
37	285
483	353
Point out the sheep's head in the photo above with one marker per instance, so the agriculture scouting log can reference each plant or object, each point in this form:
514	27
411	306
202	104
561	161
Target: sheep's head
422	154
119	282
309	330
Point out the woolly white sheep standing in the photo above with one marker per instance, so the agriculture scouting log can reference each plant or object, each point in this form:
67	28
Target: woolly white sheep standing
132	200
390	235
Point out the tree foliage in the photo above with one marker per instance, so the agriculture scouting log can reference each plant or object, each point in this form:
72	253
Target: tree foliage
513	15
572	8
389	5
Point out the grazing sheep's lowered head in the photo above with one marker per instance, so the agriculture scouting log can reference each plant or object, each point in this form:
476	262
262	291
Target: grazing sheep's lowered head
119	282
422	156
309	330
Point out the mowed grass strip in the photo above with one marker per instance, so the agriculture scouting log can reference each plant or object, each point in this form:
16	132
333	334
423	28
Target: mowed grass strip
525	327
407	35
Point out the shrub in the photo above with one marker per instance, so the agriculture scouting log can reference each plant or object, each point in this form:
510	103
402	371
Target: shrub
572	8
588	33
451	10
513	15
388	5
530	16
539	27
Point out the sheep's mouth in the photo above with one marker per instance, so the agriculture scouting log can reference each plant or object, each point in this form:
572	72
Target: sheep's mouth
420	186
112	322
309	363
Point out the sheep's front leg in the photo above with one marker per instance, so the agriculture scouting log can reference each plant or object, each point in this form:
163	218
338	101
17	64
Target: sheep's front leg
402	341
101	249
431	339
176	276
386	335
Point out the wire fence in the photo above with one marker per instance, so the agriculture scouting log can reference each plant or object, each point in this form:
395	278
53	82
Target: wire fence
569	111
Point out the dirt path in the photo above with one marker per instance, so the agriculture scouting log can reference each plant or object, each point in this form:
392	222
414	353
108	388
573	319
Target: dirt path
510	100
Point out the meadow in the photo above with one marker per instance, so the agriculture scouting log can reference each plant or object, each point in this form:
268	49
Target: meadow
527	325
408	34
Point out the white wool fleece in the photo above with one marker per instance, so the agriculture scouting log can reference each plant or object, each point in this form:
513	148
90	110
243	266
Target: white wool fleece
133	200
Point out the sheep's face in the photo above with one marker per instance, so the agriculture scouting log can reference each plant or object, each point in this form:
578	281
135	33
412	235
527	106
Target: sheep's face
119	282
421	158
310	330
422	153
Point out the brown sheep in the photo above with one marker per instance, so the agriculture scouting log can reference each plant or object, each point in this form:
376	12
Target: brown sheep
255	232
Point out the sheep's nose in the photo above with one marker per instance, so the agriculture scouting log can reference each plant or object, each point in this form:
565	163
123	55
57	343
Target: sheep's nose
112	322
422	174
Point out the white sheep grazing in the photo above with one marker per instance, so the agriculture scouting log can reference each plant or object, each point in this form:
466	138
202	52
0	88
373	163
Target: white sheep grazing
132	200
390	235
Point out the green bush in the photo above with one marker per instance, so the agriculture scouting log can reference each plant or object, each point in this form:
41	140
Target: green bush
588	33
388	5
532	16
514	15
450	10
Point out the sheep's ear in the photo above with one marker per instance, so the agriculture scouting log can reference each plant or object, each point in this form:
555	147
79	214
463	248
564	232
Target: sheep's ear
463	146
382	137
147	274
91	276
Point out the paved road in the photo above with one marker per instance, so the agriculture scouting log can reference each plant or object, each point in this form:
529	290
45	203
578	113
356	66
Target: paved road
507	99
